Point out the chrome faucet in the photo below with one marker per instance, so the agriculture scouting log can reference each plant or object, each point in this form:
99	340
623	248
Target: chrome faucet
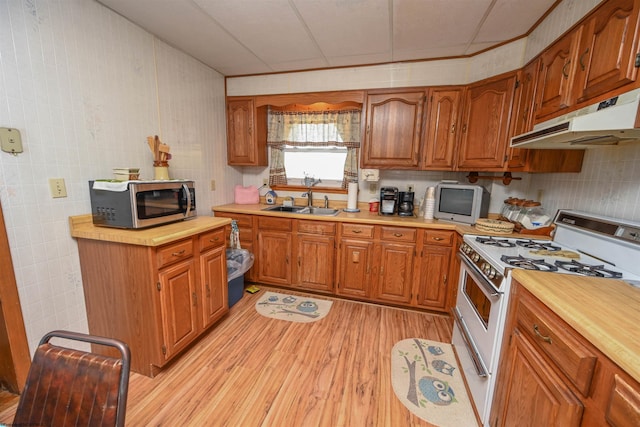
326	202
309	196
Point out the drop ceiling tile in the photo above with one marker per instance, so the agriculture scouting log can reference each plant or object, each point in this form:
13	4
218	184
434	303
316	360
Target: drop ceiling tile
509	19
269	28
348	27
425	24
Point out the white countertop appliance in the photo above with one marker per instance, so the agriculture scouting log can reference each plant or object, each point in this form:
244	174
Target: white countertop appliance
583	244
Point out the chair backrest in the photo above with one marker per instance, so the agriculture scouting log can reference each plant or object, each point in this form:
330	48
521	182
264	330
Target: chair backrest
68	387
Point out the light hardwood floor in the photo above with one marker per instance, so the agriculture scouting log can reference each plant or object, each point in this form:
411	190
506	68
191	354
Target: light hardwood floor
250	370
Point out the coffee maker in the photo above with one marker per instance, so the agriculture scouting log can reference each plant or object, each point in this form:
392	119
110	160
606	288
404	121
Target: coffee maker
388	200
405	203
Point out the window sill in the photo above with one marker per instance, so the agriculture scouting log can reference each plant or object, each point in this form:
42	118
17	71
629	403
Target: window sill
315	188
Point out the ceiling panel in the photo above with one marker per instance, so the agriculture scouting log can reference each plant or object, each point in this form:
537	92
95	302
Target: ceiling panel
238	37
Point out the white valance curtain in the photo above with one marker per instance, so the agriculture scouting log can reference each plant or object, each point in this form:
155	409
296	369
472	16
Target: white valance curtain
317	129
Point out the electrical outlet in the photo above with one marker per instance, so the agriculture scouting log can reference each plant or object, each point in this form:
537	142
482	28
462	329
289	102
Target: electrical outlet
373	187
265	181
57	187
410	188
213	185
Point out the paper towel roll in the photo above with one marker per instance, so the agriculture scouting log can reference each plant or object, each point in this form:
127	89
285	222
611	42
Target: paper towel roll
352	196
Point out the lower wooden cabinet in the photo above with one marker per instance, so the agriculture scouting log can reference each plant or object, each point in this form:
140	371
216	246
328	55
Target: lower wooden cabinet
354	268
550	375
433	270
247	237
156	299
393	264
274	250
315	255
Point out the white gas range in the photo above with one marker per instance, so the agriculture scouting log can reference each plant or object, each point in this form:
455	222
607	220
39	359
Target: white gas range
583	244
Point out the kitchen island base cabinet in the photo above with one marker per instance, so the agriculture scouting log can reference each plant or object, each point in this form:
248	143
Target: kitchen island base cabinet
156	299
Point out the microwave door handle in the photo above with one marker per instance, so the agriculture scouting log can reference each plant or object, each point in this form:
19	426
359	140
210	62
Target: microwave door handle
185	188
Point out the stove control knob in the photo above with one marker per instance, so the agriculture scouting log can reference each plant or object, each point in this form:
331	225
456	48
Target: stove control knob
488	270
474	257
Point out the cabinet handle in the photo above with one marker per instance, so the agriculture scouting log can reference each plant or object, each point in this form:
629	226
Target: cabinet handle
581	59
564	69
398	234
208	291
464	128
537	332
356	231
453	128
179	253
195	299
286	259
438	239
298	261
214	240
444	279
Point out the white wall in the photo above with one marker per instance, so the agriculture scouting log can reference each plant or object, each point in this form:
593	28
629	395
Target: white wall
85	87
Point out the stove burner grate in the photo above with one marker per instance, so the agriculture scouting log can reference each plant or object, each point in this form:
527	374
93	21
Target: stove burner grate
501	243
588	270
528	263
530	244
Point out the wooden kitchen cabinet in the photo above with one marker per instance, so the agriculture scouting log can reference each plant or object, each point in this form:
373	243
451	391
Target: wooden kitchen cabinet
315	255
440	135
549	374
608	49
485	124
431	279
355	260
393	263
393	129
274	250
246	132
157	299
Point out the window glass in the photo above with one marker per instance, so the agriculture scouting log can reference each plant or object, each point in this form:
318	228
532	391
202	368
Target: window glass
324	163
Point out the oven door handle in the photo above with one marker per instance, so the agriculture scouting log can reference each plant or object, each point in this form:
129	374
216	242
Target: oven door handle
478	364
491	290
185	188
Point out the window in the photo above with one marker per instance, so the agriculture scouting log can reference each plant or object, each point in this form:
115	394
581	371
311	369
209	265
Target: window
313	144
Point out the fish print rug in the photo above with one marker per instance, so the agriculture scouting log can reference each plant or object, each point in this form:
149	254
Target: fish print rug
426	379
294	308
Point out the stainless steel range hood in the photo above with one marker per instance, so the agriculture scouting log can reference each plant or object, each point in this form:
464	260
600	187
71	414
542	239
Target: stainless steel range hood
611	122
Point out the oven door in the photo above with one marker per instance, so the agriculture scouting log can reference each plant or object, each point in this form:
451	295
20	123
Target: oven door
479	313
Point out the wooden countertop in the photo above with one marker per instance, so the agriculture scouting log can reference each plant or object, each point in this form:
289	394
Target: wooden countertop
82	227
604	311
366	217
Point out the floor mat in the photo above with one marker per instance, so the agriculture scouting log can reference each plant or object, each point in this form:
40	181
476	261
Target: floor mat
426	379
294	308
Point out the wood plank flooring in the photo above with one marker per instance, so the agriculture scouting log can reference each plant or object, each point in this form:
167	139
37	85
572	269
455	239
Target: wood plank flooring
250	370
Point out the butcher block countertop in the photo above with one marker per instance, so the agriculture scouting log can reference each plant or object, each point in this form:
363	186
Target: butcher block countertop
604	311
366	217
82	227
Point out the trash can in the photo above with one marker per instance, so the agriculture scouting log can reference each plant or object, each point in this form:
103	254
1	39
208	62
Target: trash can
239	261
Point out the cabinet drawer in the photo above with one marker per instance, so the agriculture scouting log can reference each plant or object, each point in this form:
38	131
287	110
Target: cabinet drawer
558	342
434	237
212	239
317	227
400	234
357	230
174	252
243	221
272	223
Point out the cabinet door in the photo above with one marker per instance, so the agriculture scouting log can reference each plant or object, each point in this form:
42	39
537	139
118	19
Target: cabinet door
485	132
607	51
535	394
556	75
246	133
315	262
432	277
440	133
393	130
274	254
395	272
354	277
179	302
214	292
522	115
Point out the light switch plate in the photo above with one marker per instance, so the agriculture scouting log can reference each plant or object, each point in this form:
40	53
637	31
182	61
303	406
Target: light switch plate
10	140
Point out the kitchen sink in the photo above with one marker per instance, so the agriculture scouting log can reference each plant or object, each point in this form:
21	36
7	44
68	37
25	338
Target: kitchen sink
303	210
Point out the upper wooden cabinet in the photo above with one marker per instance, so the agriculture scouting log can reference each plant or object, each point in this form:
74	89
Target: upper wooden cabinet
440	134
608	49
246	132
485	124
393	127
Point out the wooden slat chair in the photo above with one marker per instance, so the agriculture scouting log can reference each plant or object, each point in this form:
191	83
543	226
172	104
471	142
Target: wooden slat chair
67	387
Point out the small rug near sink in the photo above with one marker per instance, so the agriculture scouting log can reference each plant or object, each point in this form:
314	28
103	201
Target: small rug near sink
426	379
294	308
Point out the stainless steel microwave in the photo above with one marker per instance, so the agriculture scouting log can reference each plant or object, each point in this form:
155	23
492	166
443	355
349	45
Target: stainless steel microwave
140	204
